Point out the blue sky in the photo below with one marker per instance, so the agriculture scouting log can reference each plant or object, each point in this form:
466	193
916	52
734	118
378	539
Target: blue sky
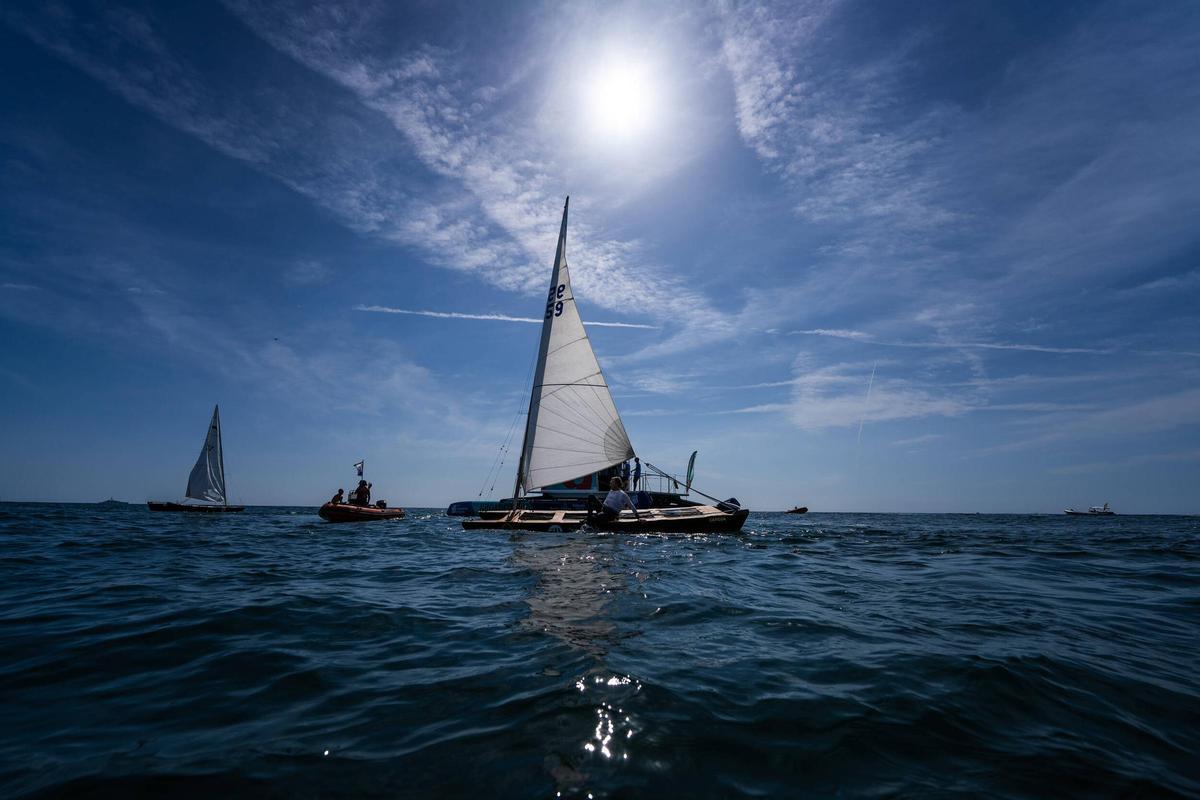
991	208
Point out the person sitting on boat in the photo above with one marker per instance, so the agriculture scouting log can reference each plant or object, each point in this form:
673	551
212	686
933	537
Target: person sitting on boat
362	495
339	498
614	503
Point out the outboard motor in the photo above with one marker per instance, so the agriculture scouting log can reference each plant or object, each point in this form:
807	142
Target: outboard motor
729	505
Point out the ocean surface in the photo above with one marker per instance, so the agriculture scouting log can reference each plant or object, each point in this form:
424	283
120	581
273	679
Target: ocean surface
270	654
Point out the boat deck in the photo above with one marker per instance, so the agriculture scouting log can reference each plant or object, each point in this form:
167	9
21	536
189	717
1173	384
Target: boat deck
686	519
193	508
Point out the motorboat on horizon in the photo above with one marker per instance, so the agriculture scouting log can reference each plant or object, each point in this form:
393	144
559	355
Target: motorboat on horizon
1094	511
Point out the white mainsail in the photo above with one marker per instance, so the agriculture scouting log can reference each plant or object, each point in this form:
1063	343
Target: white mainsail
573	427
207	481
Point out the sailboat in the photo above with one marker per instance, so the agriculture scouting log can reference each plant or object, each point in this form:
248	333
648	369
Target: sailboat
573	429
207	481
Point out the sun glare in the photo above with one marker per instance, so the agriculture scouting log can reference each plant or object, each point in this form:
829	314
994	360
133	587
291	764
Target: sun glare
620	100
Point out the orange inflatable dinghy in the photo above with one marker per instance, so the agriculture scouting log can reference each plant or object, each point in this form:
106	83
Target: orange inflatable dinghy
345	512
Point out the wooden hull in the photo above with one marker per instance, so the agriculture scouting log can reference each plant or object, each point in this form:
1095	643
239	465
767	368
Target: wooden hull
688	519
193	509
345	512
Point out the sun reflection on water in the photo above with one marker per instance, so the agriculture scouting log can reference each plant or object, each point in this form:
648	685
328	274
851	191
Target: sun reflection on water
576	583
613	725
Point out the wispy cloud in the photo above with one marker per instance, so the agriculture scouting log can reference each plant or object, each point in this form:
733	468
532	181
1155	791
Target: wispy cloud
308	272
1111	465
1132	418
497	215
952	344
490	317
915	440
1187	280
831	332
833	397
819	130
460	132
655	412
1007	199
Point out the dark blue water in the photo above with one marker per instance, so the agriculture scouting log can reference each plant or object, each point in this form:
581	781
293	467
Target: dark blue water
271	654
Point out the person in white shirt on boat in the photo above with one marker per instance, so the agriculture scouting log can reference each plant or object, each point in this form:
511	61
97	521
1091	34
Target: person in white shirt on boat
614	503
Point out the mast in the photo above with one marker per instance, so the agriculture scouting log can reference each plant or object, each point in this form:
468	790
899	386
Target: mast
220	454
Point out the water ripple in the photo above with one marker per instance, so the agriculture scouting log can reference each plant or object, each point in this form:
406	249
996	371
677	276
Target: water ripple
876	655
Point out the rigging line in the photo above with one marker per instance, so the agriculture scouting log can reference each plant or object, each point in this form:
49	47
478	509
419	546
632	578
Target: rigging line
615	416
502	454
564	386
599	402
596	442
577	382
579	403
590	466
580	420
574	383
581	469
565	345
608	408
565	450
861	419
577	433
600	416
560	386
499	459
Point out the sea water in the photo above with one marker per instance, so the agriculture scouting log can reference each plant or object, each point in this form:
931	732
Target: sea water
272	654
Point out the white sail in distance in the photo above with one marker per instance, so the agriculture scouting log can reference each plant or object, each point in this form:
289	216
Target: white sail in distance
573	427
207	481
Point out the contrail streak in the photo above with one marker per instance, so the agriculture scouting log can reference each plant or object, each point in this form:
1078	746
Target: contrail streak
492	317
862	419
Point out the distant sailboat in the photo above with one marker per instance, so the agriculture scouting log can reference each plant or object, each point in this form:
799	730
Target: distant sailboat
573	429
207	481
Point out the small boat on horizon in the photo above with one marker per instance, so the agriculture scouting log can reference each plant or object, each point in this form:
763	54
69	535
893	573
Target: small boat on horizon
113	503
1094	511
357	507
348	512
207	480
573	432
797	510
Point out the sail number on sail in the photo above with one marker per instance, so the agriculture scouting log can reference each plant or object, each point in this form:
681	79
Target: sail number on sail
554	308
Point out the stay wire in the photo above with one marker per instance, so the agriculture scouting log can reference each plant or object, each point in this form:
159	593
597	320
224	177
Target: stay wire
493	474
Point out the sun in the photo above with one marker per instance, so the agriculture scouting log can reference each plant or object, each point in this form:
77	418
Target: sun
620	100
